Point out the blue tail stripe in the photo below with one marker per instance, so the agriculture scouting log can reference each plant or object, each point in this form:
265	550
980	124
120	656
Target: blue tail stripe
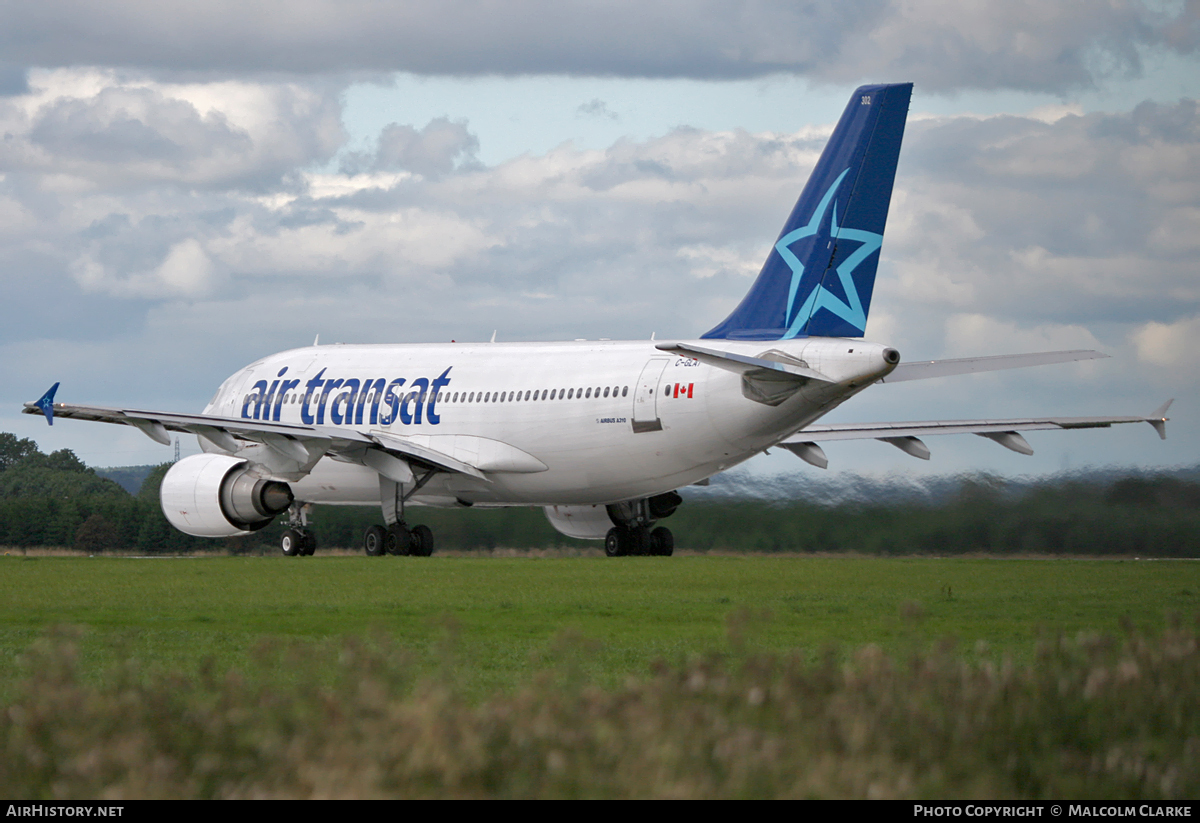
825	264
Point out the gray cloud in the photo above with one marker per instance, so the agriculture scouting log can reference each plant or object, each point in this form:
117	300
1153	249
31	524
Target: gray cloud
596	108
12	81
1010	44
431	151
133	125
1087	219
105	130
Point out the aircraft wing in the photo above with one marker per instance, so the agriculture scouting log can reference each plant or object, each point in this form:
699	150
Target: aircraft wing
905	436
286	448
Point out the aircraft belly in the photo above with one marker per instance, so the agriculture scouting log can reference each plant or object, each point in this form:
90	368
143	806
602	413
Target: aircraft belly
335	483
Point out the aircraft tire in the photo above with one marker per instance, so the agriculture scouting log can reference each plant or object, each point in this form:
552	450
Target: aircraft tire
375	541
614	542
422	541
309	539
662	542
399	540
639	541
292	543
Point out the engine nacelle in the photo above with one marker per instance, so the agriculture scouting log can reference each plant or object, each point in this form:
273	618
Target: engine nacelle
213	495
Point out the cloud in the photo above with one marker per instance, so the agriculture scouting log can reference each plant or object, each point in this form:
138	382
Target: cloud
1169	345
148	223
596	108
1083	220
95	128
431	151
1009	44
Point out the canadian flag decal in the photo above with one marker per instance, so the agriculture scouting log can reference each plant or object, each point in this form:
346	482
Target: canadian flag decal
683	391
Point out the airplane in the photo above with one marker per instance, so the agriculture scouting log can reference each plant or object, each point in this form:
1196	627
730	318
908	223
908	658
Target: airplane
600	434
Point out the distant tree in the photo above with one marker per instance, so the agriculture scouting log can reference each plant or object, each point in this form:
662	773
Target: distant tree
66	461
153	482
96	535
14	450
27	480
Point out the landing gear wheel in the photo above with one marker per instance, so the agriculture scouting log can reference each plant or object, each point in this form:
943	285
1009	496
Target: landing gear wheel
399	540
422	541
309	542
614	542
662	542
375	541
639	541
292	543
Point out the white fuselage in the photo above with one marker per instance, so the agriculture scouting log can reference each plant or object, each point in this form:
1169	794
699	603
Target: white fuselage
492	409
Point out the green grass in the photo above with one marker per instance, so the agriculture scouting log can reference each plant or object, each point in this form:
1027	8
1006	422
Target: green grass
500	617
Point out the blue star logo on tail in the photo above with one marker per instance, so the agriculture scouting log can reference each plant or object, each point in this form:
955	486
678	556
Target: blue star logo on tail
851	309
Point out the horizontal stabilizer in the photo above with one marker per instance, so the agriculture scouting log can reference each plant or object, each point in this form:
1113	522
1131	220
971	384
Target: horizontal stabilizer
740	363
926	369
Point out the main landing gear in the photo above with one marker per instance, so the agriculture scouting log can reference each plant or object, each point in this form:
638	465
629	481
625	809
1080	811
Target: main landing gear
634	534
298	542
624	541
298	539
398	539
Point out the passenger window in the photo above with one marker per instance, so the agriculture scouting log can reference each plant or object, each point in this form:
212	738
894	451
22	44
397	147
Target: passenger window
526	394
624	391
570	394
589	394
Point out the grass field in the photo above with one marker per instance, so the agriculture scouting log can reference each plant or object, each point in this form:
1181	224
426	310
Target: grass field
589	677
500	617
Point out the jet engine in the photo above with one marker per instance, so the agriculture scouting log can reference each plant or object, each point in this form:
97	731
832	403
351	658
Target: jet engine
214	495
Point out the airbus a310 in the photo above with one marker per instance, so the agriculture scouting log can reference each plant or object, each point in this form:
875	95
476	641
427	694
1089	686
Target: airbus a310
599	434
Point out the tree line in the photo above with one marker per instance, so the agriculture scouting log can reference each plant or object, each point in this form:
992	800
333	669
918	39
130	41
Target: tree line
56	500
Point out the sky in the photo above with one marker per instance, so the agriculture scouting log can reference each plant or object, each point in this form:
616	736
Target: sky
187	188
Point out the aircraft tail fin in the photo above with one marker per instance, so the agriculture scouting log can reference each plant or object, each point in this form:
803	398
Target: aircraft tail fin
817	280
